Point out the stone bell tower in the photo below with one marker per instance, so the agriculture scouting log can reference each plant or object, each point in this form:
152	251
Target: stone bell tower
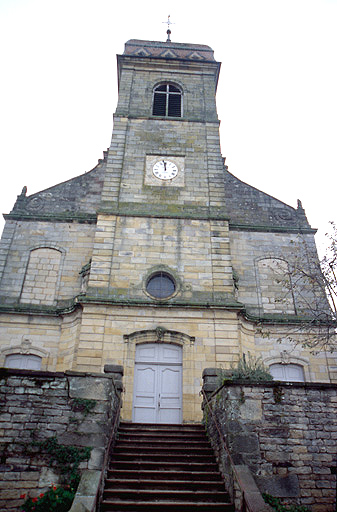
161	253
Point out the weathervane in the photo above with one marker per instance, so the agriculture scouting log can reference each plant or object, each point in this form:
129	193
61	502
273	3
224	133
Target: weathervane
168	31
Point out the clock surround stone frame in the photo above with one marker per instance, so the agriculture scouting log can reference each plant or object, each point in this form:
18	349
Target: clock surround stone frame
152	180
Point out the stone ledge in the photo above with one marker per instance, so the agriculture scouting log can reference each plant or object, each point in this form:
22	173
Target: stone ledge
270	229
41	310
123	301
252	494
277	384
85	497
66	217
5	372
163	211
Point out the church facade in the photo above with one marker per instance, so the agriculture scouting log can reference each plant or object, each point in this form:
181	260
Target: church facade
158	259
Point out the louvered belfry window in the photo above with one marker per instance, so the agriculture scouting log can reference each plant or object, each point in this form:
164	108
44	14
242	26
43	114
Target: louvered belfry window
167	101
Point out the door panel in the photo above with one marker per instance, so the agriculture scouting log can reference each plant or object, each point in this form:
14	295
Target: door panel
171	353
170	394
158	384
145	394
146	352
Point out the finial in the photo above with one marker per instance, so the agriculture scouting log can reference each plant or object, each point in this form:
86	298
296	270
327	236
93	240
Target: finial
168	31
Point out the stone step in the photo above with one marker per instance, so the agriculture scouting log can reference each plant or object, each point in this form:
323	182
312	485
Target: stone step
148	435
162	426
153	475
164	465
165	484
163	468
149	429
170	457
164	506
164	445
165	495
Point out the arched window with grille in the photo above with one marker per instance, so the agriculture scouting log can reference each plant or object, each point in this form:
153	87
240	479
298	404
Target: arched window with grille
167	101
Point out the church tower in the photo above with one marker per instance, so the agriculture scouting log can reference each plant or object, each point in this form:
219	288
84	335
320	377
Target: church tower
158	260
161	252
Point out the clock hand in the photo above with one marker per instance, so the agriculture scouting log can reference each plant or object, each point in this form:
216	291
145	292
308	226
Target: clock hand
164	165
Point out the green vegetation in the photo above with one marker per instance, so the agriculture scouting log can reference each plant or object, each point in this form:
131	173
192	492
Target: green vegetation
67	458
83	405
251	369
278	507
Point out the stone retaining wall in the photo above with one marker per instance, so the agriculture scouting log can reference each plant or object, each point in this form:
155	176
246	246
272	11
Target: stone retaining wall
286	433
77	409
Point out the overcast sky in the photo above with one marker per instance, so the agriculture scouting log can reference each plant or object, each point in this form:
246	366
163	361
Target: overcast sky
277	94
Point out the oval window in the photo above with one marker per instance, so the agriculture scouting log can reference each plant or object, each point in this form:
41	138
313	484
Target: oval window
160	285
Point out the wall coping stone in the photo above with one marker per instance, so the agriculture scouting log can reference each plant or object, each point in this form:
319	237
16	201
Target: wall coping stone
85	496
114	368
45	374
253	495
277	384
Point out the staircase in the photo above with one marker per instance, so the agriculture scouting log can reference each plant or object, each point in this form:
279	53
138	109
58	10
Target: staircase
163	468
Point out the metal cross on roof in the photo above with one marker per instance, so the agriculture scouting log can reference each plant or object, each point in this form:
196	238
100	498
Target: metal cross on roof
168	31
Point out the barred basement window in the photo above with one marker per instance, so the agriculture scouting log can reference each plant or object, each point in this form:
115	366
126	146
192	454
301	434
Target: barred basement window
160	285
167	101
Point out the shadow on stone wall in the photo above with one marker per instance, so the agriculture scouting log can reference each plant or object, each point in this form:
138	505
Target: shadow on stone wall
285	433
42	410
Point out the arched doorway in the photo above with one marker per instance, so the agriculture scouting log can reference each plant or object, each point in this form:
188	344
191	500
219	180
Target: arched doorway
157	396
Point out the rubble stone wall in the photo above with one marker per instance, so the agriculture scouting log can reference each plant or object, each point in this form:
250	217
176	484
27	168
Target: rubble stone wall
285	433
76	409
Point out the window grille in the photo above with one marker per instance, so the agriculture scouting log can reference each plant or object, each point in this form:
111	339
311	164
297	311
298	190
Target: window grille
160	285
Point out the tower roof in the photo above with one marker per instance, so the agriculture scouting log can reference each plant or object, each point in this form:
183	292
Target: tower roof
168	49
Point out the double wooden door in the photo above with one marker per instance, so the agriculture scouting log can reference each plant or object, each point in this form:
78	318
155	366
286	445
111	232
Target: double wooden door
157	394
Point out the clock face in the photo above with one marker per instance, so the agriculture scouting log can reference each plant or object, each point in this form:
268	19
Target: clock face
165	170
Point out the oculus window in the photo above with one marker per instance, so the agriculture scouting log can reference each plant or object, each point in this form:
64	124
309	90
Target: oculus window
160	286
167	101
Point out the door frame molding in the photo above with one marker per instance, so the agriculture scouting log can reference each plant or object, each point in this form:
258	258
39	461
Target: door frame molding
159	335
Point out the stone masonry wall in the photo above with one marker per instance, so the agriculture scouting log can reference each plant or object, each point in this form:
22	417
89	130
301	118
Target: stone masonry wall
257	288
188	249
41	276
37	405
285	433
73	241
108	336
